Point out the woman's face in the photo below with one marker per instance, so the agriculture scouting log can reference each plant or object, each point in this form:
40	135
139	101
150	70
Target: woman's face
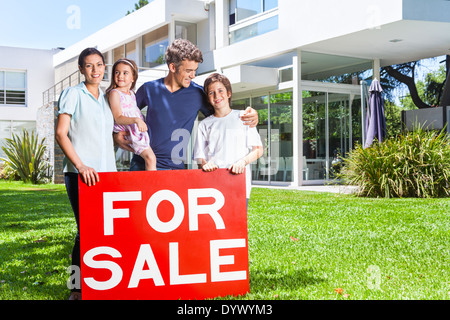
93	69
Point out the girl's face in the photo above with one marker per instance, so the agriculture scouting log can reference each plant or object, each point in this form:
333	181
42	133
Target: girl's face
123	76
93	69
218	95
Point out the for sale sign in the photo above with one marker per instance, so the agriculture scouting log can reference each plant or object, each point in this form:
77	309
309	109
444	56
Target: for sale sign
164	235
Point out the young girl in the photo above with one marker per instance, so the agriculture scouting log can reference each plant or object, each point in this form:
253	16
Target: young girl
223	140
127	115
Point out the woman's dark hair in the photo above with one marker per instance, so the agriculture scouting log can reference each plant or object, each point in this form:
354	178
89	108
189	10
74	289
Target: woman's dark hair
87	52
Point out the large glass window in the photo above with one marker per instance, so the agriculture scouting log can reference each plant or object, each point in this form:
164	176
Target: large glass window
154	46
275	129
314	135
330	130
248	18
243	9
13	88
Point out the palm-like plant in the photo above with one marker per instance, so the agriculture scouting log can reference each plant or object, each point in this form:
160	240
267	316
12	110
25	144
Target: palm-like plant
25	155
415	164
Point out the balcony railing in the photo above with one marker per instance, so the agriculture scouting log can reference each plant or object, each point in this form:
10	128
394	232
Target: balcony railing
52	94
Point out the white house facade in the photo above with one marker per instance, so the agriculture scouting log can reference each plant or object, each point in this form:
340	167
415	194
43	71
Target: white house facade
279	56
24	75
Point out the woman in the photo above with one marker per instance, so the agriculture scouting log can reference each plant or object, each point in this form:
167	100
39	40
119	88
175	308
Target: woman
84	133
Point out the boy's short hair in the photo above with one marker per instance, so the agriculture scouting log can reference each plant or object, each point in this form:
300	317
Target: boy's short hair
217	77
182	49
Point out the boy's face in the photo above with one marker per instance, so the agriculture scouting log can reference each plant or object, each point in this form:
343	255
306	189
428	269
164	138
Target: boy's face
185	73
218	95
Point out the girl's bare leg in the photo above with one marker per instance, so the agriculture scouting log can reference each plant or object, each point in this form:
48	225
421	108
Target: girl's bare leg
150	159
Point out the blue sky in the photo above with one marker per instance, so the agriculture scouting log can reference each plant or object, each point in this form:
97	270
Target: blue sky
47	24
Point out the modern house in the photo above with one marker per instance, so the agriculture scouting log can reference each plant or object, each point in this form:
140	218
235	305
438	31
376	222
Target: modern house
280	56
24	75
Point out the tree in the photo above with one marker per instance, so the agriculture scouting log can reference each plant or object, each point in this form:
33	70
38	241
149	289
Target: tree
139	5
439	90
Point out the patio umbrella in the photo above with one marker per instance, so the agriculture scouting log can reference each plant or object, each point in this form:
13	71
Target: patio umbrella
375	120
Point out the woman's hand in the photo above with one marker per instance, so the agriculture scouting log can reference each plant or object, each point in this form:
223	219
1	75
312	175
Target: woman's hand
88	175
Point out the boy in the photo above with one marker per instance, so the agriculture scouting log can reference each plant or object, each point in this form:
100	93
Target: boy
223	140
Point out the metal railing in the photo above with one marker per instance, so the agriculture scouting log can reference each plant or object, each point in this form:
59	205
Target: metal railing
52	94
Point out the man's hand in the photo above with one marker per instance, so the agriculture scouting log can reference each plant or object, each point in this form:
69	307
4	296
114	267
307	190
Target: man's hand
250	117
120	139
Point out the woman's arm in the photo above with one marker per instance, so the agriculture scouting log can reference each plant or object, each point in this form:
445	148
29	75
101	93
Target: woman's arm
119	118
89	175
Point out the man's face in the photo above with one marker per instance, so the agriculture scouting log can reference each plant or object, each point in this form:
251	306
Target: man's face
185	73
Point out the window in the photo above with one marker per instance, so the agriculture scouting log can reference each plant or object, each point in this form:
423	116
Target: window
243	9
13	88
186	30
154	46
250	18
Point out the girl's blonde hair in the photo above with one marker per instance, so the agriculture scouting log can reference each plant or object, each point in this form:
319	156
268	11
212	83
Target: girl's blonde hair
134	68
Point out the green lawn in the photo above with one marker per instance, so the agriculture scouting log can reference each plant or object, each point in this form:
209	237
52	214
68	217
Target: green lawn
302	245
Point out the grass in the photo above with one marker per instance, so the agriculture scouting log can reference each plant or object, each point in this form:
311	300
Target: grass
302	245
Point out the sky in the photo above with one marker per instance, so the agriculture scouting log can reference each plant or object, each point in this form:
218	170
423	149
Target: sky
48	24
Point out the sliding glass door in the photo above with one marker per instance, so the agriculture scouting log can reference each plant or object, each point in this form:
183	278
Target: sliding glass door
330	130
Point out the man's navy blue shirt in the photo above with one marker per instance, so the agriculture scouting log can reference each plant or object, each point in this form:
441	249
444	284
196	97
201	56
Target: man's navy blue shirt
170	117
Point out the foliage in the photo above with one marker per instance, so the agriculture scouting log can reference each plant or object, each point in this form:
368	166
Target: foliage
429	90
415	164
139	5
26	156
7	173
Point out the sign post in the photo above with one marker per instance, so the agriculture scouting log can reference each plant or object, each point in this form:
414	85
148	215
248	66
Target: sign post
164	235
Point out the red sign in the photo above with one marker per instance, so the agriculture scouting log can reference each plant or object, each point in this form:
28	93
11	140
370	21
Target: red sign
164	235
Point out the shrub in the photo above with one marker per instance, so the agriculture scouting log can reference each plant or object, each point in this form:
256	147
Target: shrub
415	164
7	173
26	157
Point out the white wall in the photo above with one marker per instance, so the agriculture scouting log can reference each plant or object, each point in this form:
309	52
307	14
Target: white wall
38	65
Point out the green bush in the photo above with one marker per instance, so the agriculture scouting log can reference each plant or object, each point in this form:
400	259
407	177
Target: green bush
25	156
415	164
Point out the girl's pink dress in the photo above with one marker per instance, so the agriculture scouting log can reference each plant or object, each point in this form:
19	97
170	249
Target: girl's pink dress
139	141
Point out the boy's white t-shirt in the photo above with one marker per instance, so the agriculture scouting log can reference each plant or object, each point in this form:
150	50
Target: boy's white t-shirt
225	141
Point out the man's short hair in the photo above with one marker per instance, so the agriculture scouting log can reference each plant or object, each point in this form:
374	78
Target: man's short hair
182	49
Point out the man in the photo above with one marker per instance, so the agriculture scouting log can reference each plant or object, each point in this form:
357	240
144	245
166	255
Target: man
173	105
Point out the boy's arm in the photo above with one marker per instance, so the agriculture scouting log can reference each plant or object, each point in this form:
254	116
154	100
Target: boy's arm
207	166
239	166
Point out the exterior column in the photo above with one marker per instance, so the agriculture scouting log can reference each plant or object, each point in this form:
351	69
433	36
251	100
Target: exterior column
297	121
222	23
376	69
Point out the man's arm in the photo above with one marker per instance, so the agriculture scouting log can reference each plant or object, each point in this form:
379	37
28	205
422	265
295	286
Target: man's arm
121	141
